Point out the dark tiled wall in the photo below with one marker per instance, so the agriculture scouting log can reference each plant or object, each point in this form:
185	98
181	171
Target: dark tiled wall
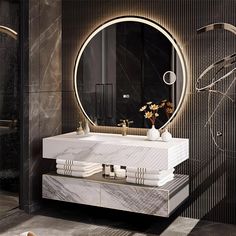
212	172
42	91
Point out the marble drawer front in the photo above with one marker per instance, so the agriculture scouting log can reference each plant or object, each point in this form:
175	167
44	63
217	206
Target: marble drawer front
147	200
71	190
135	199
159	201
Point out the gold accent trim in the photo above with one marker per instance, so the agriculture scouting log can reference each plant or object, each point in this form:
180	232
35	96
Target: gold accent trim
10	32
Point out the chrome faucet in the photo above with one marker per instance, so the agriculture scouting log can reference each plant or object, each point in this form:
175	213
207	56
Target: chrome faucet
125	125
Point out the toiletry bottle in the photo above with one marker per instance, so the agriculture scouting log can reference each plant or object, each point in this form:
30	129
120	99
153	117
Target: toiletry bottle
86	128
112	173
80	129
107	170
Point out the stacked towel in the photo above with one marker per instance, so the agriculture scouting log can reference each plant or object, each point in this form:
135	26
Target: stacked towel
77	168
149	177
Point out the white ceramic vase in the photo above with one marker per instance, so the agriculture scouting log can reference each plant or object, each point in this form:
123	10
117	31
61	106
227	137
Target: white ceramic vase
166	136
153	134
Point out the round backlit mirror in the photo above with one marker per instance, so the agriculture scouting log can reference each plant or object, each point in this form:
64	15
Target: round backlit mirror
123	65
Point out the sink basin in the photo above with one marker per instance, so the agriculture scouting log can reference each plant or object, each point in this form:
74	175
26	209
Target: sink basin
131	150
116	139
103	137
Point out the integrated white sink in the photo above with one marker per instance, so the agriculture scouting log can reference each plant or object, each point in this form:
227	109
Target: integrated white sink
106	137
134	151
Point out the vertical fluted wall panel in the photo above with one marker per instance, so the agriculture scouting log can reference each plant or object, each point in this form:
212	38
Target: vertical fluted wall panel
212	172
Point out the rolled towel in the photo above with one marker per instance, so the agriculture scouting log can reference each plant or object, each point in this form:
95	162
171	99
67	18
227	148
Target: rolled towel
148	171
150	182
160	176
78	173
78	168
72	162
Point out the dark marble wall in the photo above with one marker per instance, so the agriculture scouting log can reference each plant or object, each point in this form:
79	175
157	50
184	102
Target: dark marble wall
212	171
41	65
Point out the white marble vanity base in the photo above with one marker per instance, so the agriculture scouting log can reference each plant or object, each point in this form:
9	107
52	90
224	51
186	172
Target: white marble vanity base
131	150
117	194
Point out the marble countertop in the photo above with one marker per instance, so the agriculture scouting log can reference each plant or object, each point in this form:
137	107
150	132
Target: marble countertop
118	139
133	151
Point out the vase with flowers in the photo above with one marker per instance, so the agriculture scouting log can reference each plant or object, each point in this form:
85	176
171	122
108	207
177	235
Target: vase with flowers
150	110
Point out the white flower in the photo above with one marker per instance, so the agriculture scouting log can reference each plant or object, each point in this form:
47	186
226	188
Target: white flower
143	108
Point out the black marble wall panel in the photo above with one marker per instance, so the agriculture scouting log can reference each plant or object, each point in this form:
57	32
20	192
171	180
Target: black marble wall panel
212	172
42	92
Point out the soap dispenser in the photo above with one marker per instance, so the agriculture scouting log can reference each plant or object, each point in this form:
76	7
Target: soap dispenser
86	128
80	129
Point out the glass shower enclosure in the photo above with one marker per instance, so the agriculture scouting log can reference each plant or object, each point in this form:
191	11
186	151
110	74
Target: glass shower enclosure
9	106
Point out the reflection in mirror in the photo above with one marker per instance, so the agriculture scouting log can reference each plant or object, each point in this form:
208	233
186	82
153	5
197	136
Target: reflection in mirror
124	66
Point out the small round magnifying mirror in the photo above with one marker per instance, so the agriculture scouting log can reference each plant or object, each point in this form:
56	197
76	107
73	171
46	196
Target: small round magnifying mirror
169	77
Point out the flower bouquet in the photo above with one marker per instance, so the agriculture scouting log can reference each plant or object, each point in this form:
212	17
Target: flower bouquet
150	110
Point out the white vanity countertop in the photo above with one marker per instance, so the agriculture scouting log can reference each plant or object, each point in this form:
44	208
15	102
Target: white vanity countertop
130	150
118	139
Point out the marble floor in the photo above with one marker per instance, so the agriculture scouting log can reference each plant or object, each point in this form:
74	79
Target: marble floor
84	221
8	203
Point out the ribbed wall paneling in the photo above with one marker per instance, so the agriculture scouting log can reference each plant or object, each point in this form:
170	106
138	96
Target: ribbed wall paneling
212	172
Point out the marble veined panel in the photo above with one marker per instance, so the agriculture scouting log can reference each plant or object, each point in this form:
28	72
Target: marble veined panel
71	190
133	151
159	201
97	191
135	199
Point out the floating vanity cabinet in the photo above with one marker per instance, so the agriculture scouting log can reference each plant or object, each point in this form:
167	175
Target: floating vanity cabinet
133	151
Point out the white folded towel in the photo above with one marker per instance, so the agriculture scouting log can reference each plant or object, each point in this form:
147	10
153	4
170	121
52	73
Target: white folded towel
150	182
148	171
144	175
148	176
78	168
72	162
140	180
78	173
